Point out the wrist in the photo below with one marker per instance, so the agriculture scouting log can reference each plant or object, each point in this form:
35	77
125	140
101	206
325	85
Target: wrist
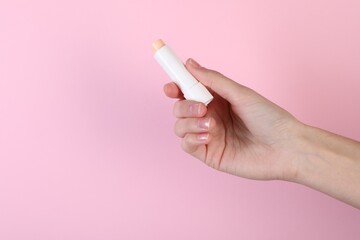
297	152
328	163
305	153
315	152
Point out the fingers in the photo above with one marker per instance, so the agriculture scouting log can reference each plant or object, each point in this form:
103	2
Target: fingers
225	87
192	126
228	89
184	126
192	142
172	90
188	109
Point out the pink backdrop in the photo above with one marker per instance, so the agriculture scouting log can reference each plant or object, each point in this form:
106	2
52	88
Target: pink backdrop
87	149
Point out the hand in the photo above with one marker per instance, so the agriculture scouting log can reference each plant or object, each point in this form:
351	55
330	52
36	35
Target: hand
240	132
243	133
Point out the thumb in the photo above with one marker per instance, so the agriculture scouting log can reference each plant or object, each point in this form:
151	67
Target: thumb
223	86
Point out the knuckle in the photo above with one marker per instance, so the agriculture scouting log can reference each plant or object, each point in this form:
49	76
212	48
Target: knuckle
186	144
178	129
212	124
177	109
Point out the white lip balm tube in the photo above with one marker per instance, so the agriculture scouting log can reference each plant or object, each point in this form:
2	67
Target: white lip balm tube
174	67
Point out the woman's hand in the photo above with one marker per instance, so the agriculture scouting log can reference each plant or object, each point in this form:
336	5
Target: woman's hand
240	132
243	133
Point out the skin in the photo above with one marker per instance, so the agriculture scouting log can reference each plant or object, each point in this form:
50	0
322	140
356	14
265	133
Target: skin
242	133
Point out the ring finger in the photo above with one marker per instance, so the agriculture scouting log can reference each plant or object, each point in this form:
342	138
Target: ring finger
193	125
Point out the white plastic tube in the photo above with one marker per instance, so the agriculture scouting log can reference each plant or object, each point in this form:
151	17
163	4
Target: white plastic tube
174	67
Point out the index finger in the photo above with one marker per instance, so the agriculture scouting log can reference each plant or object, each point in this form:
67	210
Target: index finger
173	91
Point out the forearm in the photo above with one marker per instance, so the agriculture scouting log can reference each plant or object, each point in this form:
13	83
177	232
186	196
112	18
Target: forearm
329	163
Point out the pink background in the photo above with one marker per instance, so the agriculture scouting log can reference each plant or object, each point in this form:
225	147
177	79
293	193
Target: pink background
87	149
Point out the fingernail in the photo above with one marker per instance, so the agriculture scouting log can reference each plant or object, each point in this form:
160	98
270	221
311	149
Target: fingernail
202	137
194	63
204	123
194	109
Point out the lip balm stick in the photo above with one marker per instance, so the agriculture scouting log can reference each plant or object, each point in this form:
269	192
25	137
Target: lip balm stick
174	67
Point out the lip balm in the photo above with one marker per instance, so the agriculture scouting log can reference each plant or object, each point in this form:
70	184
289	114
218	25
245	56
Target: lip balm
174	67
